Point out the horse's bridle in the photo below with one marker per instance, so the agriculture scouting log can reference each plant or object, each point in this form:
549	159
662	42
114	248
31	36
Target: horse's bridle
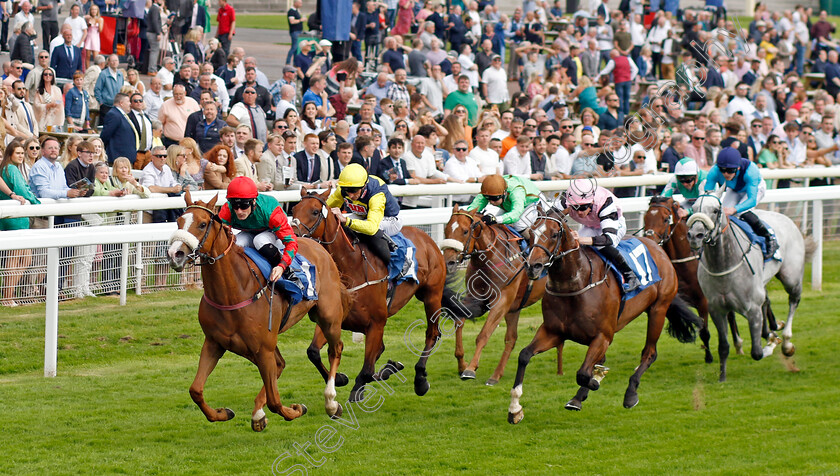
200	258
321	219
672	224
472	236
554	255
717	231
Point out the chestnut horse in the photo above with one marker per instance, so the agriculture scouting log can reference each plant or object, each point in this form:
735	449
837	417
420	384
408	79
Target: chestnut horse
239	311
366	276
583	303
664	225
495	280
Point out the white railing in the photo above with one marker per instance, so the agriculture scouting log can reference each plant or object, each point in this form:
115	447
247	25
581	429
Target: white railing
78	206
125	235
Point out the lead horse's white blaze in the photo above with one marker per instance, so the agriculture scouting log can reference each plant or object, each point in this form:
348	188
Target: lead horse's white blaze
182	237
329	398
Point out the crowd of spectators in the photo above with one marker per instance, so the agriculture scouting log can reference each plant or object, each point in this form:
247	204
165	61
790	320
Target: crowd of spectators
451	96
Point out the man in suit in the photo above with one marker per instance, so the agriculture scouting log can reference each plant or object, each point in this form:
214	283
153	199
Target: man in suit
366	154
393	169
154	35
143	125
246	165
66	59
197	17
23	117
119	135
308	162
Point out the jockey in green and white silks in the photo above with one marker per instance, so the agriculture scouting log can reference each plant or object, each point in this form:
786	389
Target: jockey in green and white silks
688	181
508	200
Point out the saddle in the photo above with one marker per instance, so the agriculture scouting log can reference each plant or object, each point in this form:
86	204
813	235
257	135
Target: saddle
297	283
755	239
641	263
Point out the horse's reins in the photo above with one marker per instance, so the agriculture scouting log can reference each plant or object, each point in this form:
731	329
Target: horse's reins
554	255
339	230
497	238
672	227
205	258
712	241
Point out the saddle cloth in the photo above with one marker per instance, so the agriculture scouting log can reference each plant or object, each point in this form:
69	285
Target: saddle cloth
638	258
403	265
754	238
298	282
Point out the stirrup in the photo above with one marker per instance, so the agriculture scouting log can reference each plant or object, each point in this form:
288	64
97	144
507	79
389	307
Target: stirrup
631	282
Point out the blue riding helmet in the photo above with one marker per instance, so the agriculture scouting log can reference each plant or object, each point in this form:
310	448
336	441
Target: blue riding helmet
729	158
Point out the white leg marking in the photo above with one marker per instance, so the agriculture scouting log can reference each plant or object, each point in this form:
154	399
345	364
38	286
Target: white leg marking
258	415
515	395
329	398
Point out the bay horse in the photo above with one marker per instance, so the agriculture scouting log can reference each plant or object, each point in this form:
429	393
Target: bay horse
734	275
495	280
583	303
366	276
664	225
239	313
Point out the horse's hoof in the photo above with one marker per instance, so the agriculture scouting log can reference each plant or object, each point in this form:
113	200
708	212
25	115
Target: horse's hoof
788	350
709	358
631	401
303	409
341	379
357	395
338	413
421	387
490	382
468	375
514	418
259	425
574	405
228	414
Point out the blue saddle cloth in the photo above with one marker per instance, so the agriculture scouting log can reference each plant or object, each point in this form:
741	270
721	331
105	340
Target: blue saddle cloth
638	258
523	243
403	265
298	283
754	238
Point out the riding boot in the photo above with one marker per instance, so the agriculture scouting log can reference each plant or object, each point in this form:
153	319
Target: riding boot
631	282
271	254
379	244
761	230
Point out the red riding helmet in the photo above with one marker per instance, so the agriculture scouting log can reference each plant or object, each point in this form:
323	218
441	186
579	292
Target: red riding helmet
242	187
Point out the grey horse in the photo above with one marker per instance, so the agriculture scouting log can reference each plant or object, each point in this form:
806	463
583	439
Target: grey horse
733	274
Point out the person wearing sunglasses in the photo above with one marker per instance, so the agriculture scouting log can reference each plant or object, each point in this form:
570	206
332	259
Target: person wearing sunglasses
744	190
374	212
598	210
688	181
507	200
262	223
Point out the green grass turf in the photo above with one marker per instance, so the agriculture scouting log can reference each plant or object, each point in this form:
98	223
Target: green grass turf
262	21
120	403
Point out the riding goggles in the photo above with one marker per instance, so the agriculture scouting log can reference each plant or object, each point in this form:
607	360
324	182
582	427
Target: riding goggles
348	190
493	198
241	203
686	178
728	170
581	207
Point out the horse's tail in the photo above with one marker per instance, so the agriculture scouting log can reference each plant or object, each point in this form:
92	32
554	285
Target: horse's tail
461	308
810	247
682	321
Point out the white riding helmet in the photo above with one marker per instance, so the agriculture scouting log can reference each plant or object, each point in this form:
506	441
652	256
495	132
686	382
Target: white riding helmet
686	167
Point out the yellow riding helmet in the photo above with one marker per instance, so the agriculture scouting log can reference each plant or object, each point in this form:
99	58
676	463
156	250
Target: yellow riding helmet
353	176
493	185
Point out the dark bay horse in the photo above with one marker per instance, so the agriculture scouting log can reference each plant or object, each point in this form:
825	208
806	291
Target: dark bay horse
582	303
367	279
495	280
238	308
664	225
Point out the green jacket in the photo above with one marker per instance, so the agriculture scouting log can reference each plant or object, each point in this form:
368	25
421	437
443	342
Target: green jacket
675	186
520	194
